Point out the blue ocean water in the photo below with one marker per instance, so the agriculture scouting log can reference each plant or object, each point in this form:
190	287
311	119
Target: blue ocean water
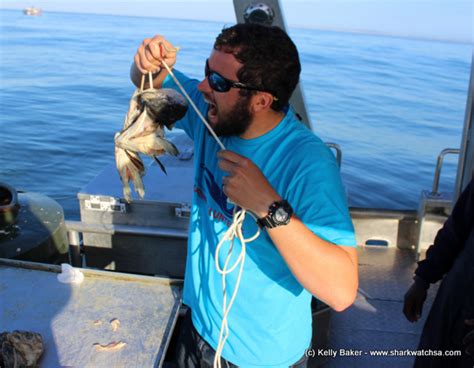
392	104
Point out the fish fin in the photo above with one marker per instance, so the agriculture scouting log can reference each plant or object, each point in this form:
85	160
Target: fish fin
136	161
127	193
168	146
138	183
133	169
123	162
133	108
160	164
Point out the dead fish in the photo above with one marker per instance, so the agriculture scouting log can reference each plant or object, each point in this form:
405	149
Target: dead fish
145	136
20	349
165	106
143	132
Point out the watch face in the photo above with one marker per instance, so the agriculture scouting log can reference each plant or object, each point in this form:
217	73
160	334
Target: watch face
281	215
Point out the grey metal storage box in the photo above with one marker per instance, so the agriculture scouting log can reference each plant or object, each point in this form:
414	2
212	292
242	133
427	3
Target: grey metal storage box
156	227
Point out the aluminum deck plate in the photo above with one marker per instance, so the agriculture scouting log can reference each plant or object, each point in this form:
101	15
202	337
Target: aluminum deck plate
32	299
376	322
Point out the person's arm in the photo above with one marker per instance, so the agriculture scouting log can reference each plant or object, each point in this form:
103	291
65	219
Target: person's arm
149	57
449	241
327	271
468	340
415	298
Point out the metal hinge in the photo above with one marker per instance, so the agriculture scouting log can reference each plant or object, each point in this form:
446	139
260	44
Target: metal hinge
184	211
105	204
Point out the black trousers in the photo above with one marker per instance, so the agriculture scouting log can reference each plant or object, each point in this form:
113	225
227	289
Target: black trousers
193	352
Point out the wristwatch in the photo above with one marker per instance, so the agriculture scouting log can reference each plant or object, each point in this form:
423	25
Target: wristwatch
279	213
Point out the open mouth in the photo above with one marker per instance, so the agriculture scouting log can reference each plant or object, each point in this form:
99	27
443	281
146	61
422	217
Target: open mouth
212	110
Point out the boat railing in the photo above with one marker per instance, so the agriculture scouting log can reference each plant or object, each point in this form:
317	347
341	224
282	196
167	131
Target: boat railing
374	227
439	166
338	150
433	200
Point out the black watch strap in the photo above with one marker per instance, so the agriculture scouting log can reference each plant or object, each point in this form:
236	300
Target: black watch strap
266	222
279	213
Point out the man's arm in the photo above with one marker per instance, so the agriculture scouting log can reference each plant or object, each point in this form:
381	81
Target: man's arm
448	243
326	270
450	240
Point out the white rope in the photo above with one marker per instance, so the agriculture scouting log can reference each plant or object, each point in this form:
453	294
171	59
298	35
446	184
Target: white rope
235	230
194	106
150	82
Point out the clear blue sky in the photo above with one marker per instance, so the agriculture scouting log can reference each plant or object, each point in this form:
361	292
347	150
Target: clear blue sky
439	19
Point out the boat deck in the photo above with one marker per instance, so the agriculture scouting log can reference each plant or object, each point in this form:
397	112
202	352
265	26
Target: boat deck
376	322
73	319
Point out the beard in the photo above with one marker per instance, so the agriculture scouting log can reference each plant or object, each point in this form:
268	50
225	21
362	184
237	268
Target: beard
235	121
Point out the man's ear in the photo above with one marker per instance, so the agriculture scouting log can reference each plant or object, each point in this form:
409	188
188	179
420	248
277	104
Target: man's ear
261	101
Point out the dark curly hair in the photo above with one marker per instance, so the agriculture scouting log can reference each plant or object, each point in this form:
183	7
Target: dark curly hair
269	57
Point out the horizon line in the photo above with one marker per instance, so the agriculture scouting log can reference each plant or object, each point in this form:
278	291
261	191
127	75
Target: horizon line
367	32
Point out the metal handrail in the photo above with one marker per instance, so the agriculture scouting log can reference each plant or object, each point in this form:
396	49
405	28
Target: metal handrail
338	150
439	165
111	229
75	230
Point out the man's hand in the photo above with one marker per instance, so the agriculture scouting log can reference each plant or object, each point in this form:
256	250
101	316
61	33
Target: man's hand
414	300
151	52
245	184
468	340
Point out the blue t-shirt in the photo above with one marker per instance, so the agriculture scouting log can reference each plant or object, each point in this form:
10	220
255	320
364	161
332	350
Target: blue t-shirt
270	320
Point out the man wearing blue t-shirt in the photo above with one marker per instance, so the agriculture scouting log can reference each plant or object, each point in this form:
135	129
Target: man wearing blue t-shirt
275	168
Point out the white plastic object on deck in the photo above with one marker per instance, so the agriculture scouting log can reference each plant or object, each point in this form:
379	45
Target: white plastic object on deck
70	275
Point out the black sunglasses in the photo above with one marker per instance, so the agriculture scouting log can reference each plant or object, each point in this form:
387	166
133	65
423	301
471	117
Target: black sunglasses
221	84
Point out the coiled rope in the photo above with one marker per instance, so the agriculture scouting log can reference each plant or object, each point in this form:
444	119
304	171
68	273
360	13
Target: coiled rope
235	230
